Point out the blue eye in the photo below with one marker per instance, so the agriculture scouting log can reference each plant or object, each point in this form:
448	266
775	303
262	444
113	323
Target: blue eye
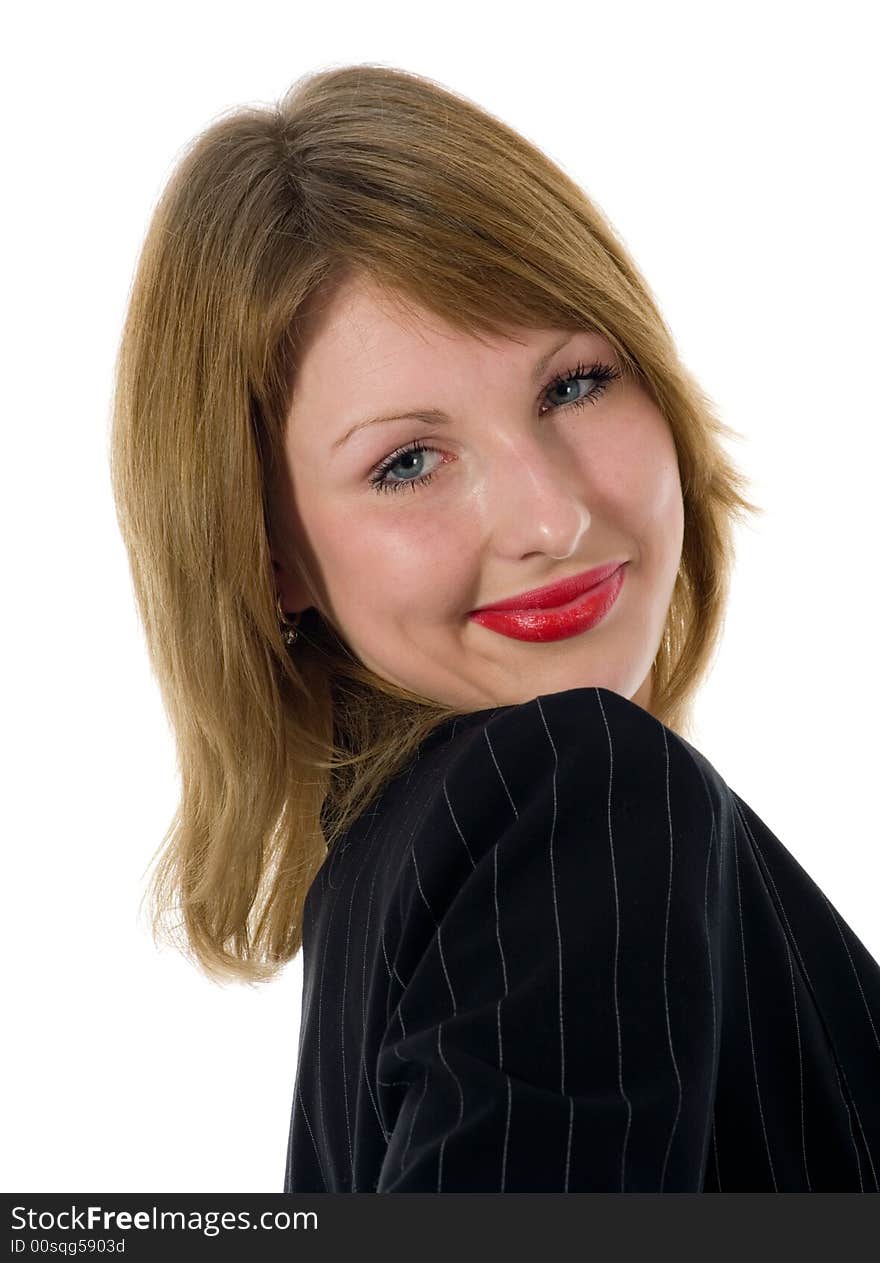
600	374
380	477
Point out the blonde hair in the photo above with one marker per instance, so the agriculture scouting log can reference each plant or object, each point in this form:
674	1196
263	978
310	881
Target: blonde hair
376	172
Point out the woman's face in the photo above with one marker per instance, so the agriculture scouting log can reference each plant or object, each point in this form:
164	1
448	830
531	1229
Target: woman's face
515	489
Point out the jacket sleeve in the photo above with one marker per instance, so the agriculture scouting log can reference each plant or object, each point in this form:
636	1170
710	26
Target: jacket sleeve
556	1023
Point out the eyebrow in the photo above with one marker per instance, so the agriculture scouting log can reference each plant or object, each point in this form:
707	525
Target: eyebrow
435	416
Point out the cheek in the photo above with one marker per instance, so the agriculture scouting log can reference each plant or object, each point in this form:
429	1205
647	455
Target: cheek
661	506
642	479
415	560
664	512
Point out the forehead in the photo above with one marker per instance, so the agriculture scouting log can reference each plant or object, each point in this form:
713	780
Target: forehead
357	324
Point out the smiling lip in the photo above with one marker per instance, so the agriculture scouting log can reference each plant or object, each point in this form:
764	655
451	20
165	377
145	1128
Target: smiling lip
554	593
551	614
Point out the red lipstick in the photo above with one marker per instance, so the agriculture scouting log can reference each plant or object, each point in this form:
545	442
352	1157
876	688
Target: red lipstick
560	609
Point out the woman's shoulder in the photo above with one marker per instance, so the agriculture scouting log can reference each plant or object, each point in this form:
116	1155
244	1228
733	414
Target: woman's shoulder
582	766
575	713
587	730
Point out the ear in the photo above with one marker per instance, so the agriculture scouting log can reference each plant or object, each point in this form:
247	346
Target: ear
290	587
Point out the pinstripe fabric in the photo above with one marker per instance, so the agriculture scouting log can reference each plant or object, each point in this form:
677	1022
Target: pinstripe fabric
560	954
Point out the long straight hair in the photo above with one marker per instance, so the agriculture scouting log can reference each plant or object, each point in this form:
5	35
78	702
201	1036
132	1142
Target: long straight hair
363	171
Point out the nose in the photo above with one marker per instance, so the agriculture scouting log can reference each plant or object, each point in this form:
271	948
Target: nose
534	501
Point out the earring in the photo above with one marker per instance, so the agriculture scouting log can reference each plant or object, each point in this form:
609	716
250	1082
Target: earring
288	628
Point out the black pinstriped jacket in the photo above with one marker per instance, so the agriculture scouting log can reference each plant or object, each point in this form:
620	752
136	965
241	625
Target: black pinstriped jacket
560	954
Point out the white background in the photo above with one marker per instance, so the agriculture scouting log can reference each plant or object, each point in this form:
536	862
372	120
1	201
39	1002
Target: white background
734	147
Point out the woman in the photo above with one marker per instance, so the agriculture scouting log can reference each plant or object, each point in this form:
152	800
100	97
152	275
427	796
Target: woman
386	369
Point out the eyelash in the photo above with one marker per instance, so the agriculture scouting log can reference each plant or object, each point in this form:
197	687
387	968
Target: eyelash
601	374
